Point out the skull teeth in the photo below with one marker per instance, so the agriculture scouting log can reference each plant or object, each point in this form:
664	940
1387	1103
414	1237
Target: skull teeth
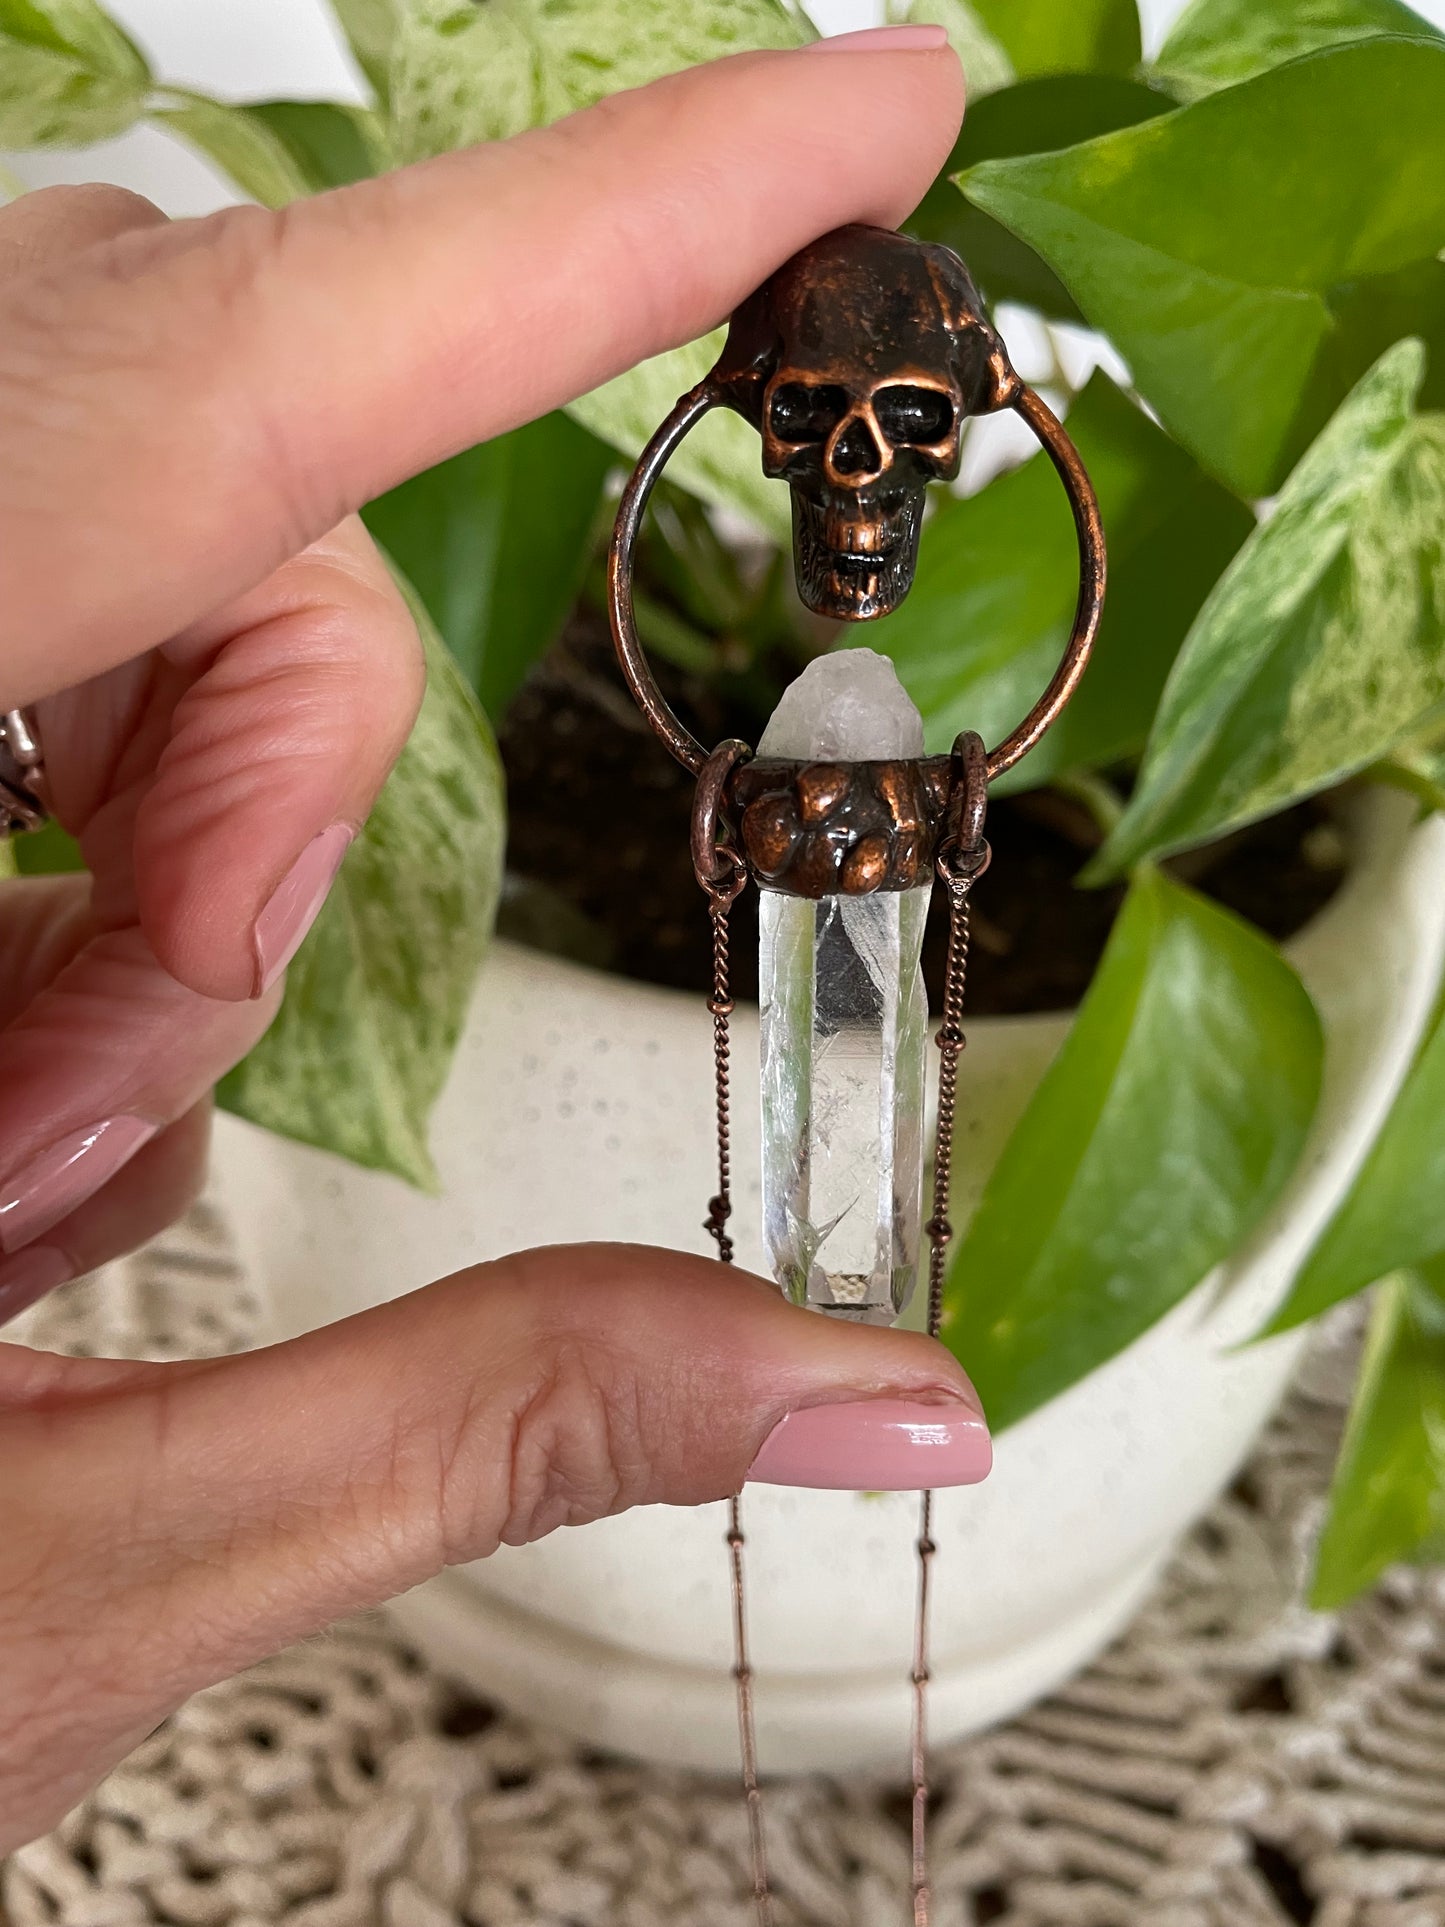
853	568
846	535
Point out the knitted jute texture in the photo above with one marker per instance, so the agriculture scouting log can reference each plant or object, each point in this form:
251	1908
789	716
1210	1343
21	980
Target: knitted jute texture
1234	1761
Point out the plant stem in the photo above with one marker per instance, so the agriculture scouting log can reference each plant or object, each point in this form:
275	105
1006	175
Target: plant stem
1418	775
1098	796
673	639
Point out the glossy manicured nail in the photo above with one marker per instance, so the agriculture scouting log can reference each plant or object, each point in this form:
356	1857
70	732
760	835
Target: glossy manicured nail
29	1275
51	1185
882	40
282	925
876	1445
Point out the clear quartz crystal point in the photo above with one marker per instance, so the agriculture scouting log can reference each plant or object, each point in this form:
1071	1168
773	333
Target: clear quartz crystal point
844	1031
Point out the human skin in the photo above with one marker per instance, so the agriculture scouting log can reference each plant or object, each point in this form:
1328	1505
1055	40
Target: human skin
223	674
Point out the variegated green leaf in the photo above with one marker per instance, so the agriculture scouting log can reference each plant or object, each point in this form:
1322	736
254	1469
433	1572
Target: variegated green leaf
377	994
278	150
1165	1127
68	75
1323	643
370	28
985	60
464	73
1218	43
243	147
1387	1503
1393	1217
719	460
78	27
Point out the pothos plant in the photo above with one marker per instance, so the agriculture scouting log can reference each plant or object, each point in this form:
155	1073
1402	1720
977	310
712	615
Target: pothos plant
1254	219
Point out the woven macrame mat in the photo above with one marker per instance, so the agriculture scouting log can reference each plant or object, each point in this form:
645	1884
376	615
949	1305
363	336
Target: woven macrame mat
1234	1760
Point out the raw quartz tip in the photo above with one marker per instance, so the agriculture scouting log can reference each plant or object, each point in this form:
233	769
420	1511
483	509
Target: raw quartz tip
844	1031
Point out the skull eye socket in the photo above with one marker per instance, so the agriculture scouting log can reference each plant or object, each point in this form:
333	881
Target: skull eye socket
909	414
801	413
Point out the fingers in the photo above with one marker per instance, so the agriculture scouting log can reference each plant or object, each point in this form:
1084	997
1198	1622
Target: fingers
216	788
150	1191
227	1509
298	699
106	1053
49	223
276	754
185	408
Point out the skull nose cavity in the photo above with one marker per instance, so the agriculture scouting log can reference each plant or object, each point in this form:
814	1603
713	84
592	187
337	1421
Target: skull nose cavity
856	452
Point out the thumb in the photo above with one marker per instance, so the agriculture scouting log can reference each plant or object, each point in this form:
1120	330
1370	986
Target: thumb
224	1509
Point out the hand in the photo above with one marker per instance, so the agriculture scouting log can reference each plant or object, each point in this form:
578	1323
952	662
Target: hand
223	674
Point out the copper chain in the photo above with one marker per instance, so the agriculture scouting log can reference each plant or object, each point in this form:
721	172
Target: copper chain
719	1211
959	874
722	874
720	1003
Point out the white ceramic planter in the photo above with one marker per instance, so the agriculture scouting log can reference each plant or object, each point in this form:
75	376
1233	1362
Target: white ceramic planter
579	1107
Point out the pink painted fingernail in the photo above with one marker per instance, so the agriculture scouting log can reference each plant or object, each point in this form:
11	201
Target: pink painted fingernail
882	40
29	1275
876	1445
281	927
51	1185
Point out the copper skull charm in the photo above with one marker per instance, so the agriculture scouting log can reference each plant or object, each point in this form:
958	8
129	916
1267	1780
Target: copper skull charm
857	362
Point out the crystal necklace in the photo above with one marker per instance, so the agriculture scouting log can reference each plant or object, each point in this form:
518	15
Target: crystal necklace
858	363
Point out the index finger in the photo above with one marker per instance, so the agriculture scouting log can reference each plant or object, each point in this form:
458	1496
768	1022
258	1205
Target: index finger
183	408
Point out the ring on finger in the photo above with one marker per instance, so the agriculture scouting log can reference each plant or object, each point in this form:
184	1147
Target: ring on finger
22	774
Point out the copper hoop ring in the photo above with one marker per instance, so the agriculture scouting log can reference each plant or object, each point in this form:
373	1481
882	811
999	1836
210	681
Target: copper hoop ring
719	868
968	797
685	416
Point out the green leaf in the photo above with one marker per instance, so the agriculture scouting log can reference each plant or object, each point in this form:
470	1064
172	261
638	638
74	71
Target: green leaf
377	994
985	62
68	75
1387	1502
1418	770
495	542
370	27
1369	316
1214	244
1059	110
983	629
331	143
78	27
1165	1127
1323	644
1394	1213
719	460
241	145
465	73
279	150
1218	43
46	852
1080	36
